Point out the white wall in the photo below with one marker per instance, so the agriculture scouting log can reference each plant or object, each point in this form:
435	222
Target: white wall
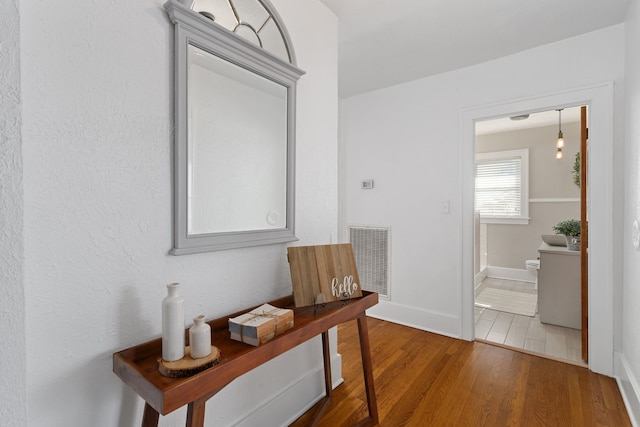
13	410
97	137
408	137
628	364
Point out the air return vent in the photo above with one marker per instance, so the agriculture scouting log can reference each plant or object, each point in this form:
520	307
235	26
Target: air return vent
371	250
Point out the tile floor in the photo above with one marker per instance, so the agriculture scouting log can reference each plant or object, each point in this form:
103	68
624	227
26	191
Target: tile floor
525	332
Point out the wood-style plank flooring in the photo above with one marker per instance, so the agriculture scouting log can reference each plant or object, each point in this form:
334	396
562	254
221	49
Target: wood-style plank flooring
525	332
425	379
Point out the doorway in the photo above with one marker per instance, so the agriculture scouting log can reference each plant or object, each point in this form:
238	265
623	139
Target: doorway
528	181
599	98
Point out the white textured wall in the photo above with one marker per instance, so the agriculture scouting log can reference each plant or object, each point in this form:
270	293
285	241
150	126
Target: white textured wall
630	358
407	138
13	409
97	138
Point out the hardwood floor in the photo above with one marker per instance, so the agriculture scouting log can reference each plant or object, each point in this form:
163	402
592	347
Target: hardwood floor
425	379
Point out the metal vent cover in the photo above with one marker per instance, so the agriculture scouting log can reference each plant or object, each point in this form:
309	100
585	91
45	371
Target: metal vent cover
371	247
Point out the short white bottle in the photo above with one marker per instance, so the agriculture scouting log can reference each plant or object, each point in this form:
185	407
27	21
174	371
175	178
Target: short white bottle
173	324
200	338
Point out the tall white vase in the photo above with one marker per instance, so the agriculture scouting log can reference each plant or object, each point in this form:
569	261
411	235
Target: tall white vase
173	324
200	338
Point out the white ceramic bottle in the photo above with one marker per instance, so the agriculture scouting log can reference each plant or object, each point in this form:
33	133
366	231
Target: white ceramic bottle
173	324
200	338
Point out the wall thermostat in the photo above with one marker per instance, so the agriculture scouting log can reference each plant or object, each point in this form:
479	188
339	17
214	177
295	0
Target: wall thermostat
367	184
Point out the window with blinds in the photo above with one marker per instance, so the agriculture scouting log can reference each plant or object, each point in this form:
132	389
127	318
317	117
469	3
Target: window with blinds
502	193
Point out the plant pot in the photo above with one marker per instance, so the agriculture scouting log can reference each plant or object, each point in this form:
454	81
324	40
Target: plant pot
573	243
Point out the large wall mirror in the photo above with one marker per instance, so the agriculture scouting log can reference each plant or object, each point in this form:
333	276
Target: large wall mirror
234	127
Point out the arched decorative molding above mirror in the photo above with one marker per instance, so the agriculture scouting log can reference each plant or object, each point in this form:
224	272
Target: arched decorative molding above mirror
234	156
254	20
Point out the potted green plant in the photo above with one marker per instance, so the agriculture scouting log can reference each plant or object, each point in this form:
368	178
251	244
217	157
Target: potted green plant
571	230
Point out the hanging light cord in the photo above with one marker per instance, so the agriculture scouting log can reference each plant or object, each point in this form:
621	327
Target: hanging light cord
560	142
560	122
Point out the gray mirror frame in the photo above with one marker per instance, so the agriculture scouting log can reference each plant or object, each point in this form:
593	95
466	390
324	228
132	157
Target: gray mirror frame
192	28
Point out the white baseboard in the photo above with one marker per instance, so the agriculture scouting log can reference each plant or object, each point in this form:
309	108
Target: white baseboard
629	388
521	275
479	277
301	396
416	318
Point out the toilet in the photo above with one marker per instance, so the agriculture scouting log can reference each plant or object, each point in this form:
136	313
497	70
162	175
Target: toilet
533	265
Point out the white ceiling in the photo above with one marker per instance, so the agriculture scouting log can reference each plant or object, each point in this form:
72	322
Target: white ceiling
386	42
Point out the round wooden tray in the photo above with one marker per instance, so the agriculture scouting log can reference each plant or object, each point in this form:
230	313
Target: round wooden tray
187	366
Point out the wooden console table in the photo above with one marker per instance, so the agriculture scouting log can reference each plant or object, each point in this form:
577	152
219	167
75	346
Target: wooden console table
138	366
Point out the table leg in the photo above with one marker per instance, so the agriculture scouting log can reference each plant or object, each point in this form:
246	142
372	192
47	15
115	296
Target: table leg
367	367
328	385
195	413
150	416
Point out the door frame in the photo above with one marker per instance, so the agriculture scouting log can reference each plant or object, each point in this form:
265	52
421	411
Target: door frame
599	99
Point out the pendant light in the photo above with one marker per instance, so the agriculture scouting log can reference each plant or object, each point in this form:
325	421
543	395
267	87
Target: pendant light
560	143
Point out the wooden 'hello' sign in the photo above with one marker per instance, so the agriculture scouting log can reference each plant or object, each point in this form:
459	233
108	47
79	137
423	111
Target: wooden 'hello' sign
324	273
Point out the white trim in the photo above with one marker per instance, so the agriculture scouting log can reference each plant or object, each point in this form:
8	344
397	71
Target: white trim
504	220
599	98
302	395
521	275
479	277
416	317
629	388
556	200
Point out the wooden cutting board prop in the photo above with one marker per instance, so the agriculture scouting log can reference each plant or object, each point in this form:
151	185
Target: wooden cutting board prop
324	273
187	366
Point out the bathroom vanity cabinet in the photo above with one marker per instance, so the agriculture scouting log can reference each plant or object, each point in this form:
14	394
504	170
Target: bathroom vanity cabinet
559	296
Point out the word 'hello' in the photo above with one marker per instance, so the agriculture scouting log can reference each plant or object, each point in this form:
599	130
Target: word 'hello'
347	287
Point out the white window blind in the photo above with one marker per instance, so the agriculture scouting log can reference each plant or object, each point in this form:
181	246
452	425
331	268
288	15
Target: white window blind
502	185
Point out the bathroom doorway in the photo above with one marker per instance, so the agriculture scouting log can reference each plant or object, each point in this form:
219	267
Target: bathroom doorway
526	184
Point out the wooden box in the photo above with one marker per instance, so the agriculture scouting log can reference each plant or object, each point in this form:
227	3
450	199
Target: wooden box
260	324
